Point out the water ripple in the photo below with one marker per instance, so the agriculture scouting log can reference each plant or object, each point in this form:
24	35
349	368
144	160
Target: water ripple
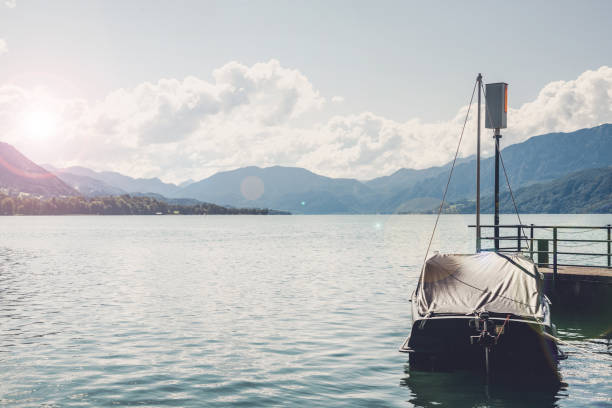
240	311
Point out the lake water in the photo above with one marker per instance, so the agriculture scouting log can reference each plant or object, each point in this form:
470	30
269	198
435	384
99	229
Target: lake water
245	310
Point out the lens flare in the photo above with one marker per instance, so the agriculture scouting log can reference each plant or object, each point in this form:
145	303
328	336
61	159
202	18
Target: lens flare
40	125
252	187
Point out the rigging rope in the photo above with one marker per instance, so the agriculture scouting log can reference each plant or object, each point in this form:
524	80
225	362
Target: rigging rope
514	202
450	175
503	327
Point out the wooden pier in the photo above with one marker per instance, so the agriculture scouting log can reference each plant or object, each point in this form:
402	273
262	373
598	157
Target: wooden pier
557	247
579	273
579	289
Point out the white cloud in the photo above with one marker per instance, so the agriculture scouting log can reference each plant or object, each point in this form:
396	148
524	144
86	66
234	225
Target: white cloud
566	105
11	3
254	115
3	47
367	145
172	127
337	99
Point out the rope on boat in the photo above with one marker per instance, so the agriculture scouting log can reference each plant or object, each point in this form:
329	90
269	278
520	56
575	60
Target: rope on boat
580	348
501	159
503	327
450	175
553	338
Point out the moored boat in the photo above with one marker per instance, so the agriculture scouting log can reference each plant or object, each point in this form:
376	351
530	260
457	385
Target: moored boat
483	311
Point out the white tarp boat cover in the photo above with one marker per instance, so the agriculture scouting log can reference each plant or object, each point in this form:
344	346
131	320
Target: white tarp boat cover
487	281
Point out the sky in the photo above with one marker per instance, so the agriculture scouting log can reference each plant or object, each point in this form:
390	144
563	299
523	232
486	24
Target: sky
181	90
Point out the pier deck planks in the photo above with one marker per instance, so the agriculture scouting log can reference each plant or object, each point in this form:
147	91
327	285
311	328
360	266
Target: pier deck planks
579	273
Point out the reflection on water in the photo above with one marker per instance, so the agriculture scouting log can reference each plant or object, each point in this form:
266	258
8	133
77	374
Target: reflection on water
240	310
466	389
586	337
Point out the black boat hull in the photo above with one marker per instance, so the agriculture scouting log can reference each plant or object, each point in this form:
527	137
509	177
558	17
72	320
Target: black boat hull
448	344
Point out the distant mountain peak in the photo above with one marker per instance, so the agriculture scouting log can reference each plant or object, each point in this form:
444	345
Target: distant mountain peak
20	174
186	183
114	183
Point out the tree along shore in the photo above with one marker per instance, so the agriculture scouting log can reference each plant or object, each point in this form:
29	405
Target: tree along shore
112	205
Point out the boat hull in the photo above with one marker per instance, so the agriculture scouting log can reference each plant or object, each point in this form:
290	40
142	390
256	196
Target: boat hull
449	343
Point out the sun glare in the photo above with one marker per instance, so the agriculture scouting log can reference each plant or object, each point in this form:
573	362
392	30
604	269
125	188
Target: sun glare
40	124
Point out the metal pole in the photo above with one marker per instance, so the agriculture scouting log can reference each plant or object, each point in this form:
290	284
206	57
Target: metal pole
478	235
555	253
485	332
496	219
487	369
531	243
518	239
609	251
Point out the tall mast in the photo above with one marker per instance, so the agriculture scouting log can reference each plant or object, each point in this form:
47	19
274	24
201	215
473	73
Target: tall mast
497	136
479	80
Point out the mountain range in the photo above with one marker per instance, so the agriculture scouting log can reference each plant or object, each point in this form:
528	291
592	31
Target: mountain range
540	159
110	182
585	191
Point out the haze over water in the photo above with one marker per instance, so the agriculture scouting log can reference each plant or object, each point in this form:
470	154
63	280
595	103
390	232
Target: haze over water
244	310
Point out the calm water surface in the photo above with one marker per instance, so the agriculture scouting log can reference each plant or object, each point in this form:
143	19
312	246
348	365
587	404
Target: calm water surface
244	310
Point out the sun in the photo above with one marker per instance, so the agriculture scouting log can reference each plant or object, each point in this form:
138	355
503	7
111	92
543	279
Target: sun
40	125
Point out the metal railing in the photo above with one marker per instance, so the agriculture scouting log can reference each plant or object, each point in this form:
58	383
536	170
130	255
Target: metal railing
579	246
